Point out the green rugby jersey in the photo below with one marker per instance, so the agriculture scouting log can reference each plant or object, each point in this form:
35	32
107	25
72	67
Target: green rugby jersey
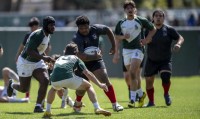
135	29
65	66
38	42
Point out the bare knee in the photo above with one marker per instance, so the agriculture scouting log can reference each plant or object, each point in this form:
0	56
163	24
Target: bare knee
5	71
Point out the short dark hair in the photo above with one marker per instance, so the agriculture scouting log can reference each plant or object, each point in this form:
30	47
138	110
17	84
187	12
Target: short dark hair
82	20
158	10
33	21
71	49
126	3
55	56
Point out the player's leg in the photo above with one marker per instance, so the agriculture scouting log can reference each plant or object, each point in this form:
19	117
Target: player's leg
150	71
150	90
165	75
102	76
23	85
7	74
41	75
92	96
65	98
126	77
133	71
50	99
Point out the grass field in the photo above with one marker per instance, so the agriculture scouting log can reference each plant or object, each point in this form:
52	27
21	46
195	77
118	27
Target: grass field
185	92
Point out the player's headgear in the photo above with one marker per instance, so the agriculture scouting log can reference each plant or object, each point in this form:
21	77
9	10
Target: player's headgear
33	21
46	21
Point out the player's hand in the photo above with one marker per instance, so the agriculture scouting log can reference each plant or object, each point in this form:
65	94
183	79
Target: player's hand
115	58
104	87
98	54
48	59
126	36
176	48
112	51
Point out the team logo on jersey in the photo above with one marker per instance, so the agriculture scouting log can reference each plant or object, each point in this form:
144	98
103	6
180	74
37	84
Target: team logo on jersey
94	36
164	32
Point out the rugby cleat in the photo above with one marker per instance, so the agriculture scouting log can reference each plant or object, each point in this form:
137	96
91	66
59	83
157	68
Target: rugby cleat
168	100
10	89
141	100
150	104
102	111
131	104
117	107
77	106
47	114
38	109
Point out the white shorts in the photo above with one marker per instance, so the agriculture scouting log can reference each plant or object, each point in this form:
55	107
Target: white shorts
71	83
25	68
129	54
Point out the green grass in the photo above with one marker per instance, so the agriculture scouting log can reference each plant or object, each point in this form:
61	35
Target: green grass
185	92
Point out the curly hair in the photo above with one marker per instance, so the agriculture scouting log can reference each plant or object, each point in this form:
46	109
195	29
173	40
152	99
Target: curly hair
82	20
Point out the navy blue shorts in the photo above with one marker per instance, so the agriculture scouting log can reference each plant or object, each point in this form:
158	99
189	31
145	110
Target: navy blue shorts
152	68
92	66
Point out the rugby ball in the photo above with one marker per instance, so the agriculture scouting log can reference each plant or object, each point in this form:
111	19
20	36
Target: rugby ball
91	50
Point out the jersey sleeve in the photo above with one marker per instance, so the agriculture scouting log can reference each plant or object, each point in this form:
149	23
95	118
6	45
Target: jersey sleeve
25	39
118	29
173	33
34	42
79	43
81	65
146	23
101	29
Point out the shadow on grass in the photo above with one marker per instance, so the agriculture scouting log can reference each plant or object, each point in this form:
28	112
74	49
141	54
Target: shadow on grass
22	113
69	114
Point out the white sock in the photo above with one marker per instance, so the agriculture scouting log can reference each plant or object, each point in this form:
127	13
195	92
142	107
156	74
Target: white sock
38	105
12	85
12	100
133	95
96	105
140	92
65	93
4	92
48	109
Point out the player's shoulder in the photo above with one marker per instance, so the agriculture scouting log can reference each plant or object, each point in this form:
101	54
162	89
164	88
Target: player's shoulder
122	20
168	27
97	26
37	33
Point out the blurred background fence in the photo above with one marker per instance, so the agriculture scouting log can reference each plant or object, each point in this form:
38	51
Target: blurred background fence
186	62
184	15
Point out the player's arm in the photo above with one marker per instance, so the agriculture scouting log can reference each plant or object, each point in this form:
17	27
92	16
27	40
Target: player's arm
148	39
91	77
117	51
111	38
118	32
176	36
150	27
21	46
32	50
1	50
86	57
83	56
